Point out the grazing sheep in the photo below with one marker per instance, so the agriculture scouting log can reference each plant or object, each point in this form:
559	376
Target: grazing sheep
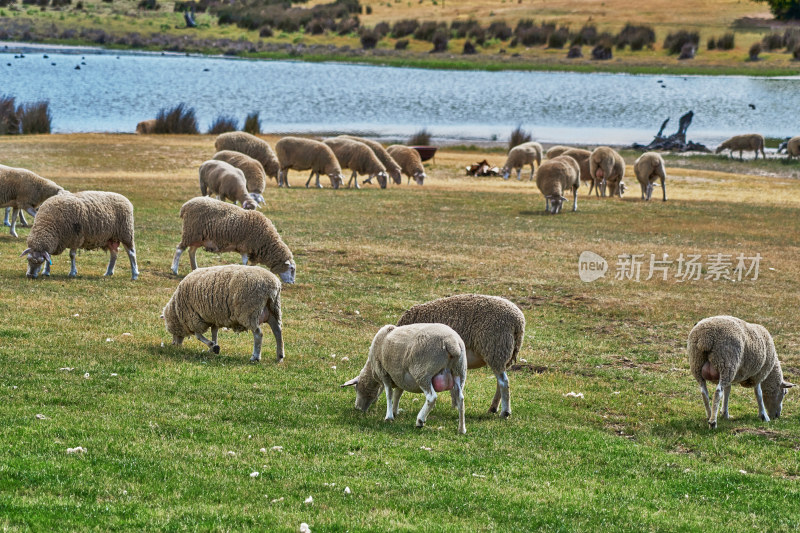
607	169
728	350
392	168
519	156
649	167
492	329
248	144
221	227
554	178
749	141
557	150
254	173
146	127
226	182
410	162
22	190
307	154
793	147
85	220
231	296
358	157
582	158
427	358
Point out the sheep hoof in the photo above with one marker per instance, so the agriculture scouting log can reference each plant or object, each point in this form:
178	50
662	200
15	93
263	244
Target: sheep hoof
493	409
279	360
255	359
174	272
215	348
420	423
712	425
6	224
73	275
505	414
387	419
14	234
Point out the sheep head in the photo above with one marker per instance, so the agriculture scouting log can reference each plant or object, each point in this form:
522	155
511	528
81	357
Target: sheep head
286	271
35	262
383	179
419	177
556	201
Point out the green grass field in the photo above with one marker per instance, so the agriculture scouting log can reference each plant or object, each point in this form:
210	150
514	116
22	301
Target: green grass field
158	423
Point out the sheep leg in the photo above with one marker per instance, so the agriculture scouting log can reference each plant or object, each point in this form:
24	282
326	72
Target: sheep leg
73	270
309	178
319	185
112	262
214	332
353	177
726	394
14	222
132	258
519	174
718	393
244	259
192	258
46	269
740	155
430	401
502	389
8	210
275	323
532	171
664	189
396	400
574	199
212	347
762	411
706	400
547	204
177	259
457	395
387	387
31	211
258	336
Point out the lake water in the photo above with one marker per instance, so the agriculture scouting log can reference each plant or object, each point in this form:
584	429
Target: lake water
113	91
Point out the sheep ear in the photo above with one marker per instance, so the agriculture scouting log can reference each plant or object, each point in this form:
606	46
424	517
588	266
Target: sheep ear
288	263
26	252
563	199
352	382
162	315
786	385
47	256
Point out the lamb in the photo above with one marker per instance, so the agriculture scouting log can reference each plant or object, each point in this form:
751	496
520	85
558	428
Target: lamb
728	350
427	358
392	168
307	154
258	149
649	167
410	162
22	190
85	220
582	158
226	182
254	173
793	147
229	296
749	141
557	150
607	168
492	329
146	127
554	178
221	227
521	155
358	157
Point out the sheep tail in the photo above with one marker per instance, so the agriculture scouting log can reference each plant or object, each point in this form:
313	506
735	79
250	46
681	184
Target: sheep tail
699	344
519	333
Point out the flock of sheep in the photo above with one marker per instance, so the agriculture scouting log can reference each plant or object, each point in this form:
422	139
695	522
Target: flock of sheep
434	343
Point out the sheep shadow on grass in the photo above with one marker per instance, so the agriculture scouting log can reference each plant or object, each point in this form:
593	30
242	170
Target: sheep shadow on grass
200	354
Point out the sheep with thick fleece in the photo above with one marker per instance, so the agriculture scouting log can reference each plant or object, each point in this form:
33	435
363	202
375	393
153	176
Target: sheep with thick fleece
392	168
410	162
648	168
231	296
358	157
85	220
146	127
608	170
22	190
582	158
554	178
258	149
748	141
299	153
254	173
221	227
727	350
557	150
518	157
793	147
427	358
226	182
492	329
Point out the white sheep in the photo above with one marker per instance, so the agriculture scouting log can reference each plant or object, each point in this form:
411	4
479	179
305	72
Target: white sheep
307	154
146	127
491	327
392	168
728	350
231	296
648	168
254	173
554	178
519	156
226	182
85	220
22	190
358	157
793	147
427	358
607	168
258	149
221	227
557	150
582	158
748	141
410	162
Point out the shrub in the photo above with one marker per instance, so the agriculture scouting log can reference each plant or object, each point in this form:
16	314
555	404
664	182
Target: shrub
726	42
461	28
712	44
382	28
791	38
318	26
222	124
754	51
9	120
35	117
602	52
574	52
401	44
403	28
369	39
151	5
420	138
586	35
469	48
477	34
265	32
518	136
637	37
348	25
784	9
688	51
499	30
440	40
179	119
772	41
427	30
252	123
796	54
558	38
675	41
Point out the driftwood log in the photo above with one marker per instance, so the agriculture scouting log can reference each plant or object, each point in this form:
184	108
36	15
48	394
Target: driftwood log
675	142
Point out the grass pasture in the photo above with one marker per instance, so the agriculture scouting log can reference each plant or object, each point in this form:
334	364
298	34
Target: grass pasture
158	422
